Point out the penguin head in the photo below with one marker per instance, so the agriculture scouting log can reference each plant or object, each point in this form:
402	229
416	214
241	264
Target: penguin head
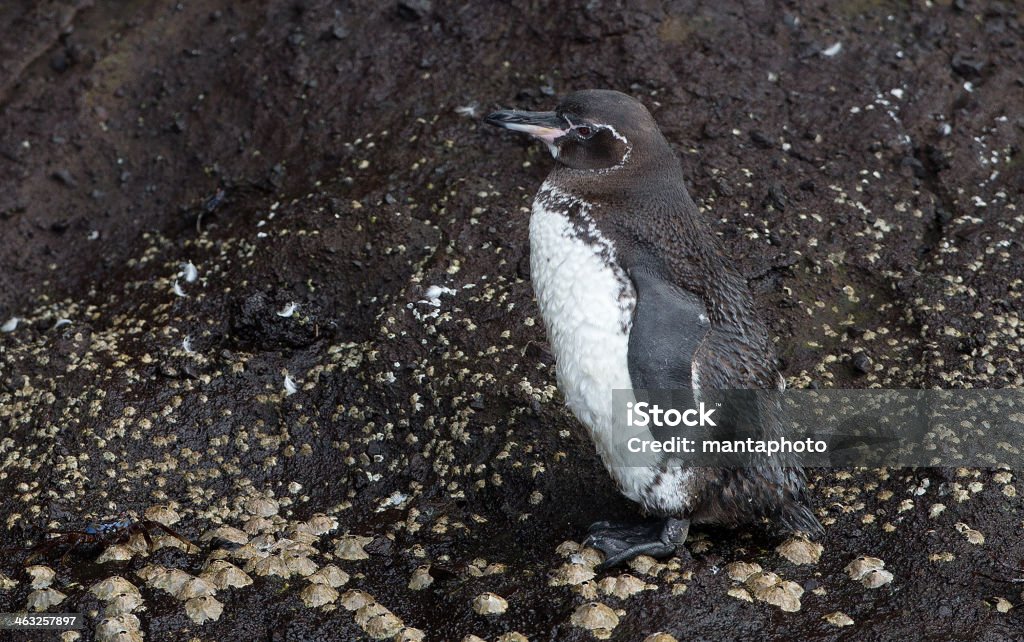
591	130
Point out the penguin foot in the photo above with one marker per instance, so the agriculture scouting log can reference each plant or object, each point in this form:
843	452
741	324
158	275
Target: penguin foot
621	542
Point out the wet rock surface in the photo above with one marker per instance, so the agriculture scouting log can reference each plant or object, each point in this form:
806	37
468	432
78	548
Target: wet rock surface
861	162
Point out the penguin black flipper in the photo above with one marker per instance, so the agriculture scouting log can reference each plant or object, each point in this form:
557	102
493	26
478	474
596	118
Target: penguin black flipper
669	324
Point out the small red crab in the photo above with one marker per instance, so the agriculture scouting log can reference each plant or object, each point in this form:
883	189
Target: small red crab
117	530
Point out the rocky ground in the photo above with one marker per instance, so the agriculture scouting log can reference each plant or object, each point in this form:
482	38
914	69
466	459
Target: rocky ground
265	280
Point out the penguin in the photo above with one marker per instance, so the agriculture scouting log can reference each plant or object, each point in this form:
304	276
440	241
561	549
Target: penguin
637	294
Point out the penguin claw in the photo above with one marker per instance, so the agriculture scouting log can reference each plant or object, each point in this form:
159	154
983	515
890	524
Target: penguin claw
656	550
599	526
622	542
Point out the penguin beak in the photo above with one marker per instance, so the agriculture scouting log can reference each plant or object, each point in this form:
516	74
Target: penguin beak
545	126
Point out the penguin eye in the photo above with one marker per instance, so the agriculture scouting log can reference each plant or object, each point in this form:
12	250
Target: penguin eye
584	132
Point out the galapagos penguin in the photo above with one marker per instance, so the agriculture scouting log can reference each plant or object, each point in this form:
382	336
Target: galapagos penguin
636	293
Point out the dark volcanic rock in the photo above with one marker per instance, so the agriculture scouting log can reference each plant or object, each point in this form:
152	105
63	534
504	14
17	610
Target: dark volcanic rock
967	65
414	9
258	324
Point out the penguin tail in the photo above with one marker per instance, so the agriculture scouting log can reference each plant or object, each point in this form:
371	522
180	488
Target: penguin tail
796	517
795	512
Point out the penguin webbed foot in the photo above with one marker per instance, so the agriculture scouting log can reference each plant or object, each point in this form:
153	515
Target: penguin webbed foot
622	541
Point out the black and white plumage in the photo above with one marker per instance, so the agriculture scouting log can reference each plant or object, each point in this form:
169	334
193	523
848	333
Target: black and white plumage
636	293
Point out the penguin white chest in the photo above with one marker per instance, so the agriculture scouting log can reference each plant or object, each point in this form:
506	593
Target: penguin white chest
587	303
